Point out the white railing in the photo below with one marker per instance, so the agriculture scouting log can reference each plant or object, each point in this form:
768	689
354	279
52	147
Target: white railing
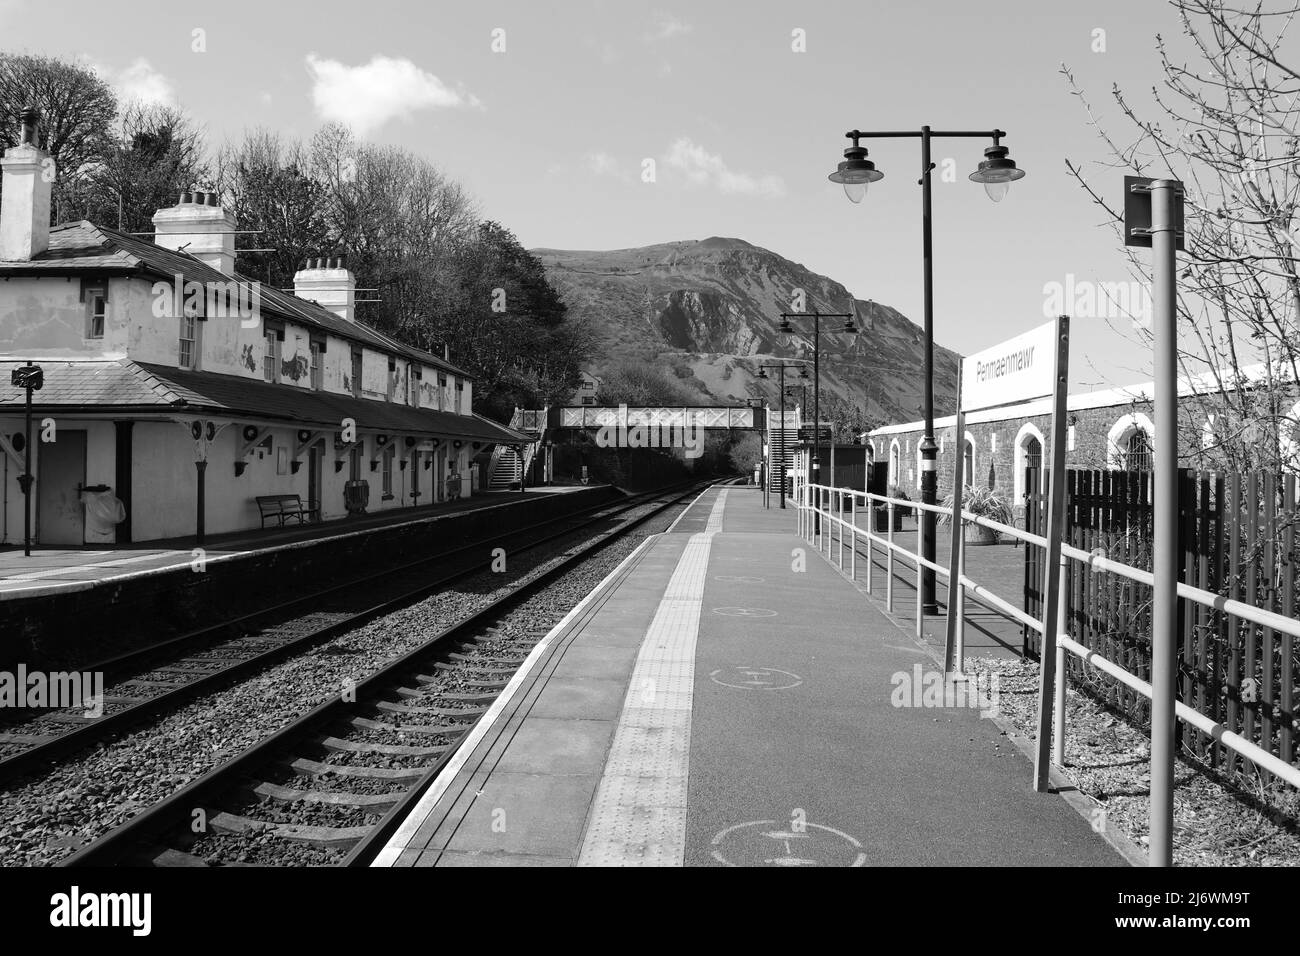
821	512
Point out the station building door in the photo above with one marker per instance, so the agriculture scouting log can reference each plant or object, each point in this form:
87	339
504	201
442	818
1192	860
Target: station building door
61	518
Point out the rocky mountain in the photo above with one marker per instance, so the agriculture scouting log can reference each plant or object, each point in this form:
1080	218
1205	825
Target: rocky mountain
709	310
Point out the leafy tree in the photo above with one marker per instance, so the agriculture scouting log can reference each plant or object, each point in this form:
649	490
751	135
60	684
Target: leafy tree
159	155
77	110
746	452
635	383
848	419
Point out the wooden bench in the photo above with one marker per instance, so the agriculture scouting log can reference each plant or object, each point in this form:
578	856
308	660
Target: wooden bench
283	506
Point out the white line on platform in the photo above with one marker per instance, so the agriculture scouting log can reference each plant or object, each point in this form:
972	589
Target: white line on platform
685	511
428	803
638	817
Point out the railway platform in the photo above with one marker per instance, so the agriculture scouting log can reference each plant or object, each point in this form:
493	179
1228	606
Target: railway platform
55	570
725	697
77	607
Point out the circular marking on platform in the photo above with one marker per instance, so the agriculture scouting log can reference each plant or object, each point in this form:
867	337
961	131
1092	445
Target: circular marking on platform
776	843
744	612
737	579
755	678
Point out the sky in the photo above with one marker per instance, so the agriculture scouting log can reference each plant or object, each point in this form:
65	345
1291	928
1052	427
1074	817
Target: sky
548	113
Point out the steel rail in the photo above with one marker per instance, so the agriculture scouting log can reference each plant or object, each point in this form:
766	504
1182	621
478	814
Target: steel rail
128	839
24	761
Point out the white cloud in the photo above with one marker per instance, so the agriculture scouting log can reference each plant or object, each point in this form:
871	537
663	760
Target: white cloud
264	98
708	169
668	26
139	82
366	97
601	163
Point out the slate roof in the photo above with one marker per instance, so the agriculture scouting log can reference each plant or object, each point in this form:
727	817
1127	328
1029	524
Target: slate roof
125	386
80	248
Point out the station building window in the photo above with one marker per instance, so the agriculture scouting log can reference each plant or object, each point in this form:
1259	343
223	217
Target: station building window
1137	453
1028	458
968	461
317	367
188	351
1130	443
271	357
96	310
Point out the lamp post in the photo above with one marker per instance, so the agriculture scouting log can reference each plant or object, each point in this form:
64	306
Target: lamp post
803	394
850	329
996	172
762	373
30	378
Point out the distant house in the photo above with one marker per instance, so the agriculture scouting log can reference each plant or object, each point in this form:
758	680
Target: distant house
586	392
166	372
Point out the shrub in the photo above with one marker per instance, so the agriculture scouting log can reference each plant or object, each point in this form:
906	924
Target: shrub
983	502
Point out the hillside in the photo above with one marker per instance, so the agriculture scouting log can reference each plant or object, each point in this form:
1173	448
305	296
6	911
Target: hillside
708	310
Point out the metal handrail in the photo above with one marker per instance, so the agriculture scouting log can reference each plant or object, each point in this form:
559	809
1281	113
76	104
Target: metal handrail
1218	731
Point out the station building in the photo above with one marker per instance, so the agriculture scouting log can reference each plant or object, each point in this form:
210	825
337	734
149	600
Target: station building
169	379
1107	429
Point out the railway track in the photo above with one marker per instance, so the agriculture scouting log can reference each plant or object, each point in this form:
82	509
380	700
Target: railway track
329	788
152	680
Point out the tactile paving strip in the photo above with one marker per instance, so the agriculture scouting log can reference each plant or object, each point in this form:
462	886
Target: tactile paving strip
638	817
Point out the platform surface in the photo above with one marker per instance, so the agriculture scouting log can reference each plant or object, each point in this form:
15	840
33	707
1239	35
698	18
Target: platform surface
726	697
51	570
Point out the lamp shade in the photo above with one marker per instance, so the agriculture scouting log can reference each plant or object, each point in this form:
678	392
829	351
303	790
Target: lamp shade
997	172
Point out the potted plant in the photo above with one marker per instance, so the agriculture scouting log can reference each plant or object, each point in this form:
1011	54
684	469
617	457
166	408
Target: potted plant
900	511
985	503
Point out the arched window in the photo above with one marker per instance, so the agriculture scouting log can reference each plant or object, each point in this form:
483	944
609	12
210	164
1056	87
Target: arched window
1130	442
1033	453
893	462
993	476
1137	452
968	462
1028	456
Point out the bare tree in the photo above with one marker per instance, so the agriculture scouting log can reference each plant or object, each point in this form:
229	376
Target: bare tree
1226	127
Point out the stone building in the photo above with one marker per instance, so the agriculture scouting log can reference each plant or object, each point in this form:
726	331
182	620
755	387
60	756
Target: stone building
1112	428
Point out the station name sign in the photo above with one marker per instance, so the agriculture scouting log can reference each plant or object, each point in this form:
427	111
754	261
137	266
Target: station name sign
1018	370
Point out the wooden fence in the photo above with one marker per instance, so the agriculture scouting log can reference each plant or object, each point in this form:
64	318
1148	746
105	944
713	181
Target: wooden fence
1237	539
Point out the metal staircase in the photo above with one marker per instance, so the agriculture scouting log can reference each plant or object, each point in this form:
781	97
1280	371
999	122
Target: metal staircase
782	439
508	467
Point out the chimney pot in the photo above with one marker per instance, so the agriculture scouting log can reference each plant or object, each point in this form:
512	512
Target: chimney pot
343	261
199	225
338	297
31	122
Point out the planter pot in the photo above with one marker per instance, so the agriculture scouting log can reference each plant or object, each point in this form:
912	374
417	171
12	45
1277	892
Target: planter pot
880	521
975	534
